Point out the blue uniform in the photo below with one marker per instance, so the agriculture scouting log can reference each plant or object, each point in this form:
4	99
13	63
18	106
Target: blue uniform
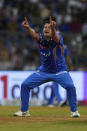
53	68
55	95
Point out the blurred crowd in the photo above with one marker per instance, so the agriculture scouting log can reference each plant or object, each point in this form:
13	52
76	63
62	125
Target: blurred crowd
19	52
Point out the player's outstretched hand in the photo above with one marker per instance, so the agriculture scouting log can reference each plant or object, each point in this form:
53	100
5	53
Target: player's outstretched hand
25	23
52	23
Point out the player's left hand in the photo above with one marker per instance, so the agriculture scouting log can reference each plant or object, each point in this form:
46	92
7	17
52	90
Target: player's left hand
52	23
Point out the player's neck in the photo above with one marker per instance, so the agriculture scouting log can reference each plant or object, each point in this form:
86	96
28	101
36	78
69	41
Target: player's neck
48	38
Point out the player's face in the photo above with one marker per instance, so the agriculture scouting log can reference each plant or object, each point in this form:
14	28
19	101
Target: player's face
47	30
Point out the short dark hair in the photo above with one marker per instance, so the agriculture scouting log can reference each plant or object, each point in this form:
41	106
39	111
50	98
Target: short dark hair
46	20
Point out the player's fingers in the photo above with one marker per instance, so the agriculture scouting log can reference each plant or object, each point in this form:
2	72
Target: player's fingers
54	23
23	23
26	19
50	20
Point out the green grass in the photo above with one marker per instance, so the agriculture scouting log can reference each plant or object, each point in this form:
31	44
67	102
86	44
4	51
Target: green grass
43	119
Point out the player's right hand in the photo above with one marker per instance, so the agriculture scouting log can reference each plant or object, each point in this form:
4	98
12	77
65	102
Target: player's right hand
25	23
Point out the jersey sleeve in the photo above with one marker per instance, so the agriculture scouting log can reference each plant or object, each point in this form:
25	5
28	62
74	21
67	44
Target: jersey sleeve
61	38
66	51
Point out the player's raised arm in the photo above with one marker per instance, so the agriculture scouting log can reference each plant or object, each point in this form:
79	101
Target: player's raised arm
55	37
31	31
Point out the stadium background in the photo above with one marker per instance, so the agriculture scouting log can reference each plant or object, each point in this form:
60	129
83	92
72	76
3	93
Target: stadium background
19	52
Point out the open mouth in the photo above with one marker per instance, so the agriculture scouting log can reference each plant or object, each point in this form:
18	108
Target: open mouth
46	32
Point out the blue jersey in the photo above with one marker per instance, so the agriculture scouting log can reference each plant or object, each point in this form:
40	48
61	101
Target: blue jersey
66	51
52	55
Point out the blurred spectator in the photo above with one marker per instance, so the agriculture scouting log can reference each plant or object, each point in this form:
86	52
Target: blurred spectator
63	26
16	58
75	25
84	31
12	26
4	55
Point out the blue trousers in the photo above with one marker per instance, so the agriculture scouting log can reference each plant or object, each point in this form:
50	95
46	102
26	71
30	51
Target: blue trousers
38	78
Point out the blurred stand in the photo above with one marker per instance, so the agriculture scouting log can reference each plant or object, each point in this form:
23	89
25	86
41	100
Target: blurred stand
71	17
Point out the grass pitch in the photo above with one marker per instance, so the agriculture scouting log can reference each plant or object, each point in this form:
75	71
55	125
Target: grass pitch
43	119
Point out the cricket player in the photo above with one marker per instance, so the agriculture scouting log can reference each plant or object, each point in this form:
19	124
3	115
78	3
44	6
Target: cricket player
53	67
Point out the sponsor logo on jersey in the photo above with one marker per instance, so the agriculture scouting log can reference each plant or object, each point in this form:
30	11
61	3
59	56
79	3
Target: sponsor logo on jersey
46	54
